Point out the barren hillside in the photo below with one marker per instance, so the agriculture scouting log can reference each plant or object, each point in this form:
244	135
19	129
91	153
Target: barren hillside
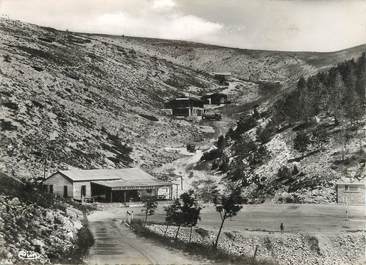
68	100
249	65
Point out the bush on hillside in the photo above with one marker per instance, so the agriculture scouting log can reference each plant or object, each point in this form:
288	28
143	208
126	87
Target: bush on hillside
301	142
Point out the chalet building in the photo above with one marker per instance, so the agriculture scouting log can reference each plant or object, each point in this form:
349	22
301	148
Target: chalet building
215	99
109	185
222	77
185	107
351	193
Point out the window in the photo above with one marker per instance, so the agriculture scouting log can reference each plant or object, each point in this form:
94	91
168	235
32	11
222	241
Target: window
346	187
51	188
83	190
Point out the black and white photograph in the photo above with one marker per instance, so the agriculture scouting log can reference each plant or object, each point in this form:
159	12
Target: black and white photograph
182	132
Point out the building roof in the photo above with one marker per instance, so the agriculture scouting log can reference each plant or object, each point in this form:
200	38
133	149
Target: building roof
223	73
185	99
214	94
125	174
351	183
132	183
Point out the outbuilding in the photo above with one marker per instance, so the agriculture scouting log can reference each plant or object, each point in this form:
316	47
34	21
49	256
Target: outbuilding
185	106
351	193
222	77
215	99
109	185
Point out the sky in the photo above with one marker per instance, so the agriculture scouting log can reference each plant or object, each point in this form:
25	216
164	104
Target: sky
293	25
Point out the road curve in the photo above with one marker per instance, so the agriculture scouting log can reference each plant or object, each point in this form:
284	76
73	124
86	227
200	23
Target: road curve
115	243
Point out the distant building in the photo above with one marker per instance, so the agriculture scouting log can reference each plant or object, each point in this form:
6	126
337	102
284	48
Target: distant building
110	185
185	107
222	77
215	99
351	193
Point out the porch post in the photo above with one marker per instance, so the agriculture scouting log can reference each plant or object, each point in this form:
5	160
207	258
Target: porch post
111	195
171	192
124	196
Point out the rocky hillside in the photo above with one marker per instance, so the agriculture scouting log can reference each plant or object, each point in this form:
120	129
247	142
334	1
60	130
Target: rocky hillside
71	100
36	224
297	149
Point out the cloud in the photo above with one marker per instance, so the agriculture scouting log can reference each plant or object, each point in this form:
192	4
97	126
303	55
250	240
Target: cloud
318	25
174	26
189	27
163	5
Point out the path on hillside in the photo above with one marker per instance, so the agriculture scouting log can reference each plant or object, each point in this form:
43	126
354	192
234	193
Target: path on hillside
115	243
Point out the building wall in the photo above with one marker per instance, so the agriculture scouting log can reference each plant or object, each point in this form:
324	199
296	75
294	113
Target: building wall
196	112
77	189
351	194
58	181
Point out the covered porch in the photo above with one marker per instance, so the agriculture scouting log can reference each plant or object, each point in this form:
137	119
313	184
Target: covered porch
120	191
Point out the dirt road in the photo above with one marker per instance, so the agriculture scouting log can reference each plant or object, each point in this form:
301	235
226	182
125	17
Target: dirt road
115	243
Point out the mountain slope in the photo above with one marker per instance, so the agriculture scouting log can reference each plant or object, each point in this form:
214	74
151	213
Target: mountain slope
252	65
67	100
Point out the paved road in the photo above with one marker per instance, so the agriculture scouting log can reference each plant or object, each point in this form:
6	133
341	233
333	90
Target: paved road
116	244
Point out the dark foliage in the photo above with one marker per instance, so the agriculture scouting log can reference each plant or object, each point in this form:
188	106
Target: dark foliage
211	155
149	117
244	124
227	206
7	58
301	142
7	126
11	105
339	92
150	204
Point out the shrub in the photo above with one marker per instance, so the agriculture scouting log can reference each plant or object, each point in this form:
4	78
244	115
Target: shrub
11	105
149	117
202	232
7	58
211	155
7	126
301	142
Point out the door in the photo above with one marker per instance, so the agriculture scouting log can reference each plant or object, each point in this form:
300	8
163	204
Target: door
83	190
65	191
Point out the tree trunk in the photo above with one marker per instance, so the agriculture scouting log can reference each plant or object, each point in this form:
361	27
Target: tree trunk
166	229
146	218
190	235
255	252
176	235
218	234
344	143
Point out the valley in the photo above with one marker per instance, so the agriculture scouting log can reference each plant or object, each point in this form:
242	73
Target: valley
72	100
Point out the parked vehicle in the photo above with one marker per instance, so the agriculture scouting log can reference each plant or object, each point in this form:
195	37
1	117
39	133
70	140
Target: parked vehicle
212	116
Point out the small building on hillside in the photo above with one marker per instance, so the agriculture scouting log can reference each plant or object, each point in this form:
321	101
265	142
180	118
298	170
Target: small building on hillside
222	77
351	193
185	107
109	185
215	99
